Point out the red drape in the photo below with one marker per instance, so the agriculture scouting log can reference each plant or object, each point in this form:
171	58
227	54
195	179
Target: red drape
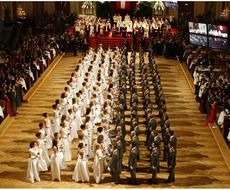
119	5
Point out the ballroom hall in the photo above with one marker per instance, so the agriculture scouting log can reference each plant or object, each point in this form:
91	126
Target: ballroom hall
114	94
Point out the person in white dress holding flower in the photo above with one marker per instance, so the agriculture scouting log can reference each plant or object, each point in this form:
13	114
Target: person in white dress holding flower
56	119
33	170
65	134
48	130
44	160
58	143
99	163
77	113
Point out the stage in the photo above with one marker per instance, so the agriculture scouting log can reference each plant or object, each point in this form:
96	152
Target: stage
118	40
109	41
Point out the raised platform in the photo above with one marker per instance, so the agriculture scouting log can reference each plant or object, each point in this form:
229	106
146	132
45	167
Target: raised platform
115	41
108	41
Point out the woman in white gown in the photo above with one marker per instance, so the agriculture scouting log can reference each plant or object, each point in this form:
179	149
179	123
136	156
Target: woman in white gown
82	102
57	142
55	165
56	119
81	171
45	160
96	110
98	164
64	103
89	136
83	139
48	130
65	133
33	170
77	112
72	124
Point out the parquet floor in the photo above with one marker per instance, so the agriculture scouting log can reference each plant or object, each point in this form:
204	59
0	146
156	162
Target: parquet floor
199	161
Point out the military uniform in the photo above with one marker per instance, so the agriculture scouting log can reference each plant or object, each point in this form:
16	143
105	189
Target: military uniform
157	141
135	141
133	164
120	154
152	124
166	142
172	164
114	166
154	157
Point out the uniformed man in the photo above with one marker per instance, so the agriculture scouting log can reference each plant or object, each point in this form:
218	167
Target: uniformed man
166	142
152	124
154	158
120	151
123	133
134	140
157	141
133	163
173	140
113	167
172	163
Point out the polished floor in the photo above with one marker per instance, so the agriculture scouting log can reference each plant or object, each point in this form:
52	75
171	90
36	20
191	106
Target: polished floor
199	161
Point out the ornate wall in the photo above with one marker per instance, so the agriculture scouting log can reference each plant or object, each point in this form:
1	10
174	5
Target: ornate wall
200	8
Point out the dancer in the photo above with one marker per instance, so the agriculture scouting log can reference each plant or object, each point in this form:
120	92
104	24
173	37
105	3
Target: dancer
33	170
81	171
99	163
55	165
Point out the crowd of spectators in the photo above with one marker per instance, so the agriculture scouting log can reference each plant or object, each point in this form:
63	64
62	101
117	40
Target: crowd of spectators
19	70
210	70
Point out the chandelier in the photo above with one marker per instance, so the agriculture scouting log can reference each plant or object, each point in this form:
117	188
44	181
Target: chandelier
158	5
87	5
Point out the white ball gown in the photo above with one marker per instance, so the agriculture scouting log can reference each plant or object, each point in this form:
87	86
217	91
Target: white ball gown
98	165
56	162
56	121
49	133
32	170
81	171
66	144
44	151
